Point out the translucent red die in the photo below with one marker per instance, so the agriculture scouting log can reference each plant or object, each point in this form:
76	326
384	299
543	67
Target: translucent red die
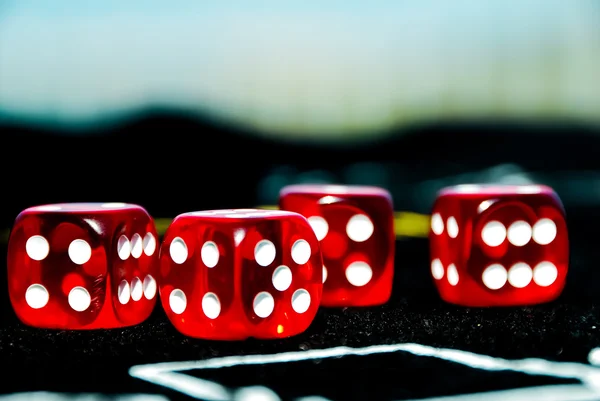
498	245
355	226
83	265
234	274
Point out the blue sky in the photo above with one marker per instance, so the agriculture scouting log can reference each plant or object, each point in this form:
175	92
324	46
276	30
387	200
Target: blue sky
149	7
308	66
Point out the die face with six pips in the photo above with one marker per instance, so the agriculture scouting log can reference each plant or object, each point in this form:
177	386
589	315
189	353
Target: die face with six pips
498	245
83	265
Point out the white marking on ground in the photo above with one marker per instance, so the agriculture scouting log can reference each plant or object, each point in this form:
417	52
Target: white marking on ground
168	374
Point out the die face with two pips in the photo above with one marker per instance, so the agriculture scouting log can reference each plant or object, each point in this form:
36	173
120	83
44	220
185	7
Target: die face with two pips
498	245
83	265
355	227
235	274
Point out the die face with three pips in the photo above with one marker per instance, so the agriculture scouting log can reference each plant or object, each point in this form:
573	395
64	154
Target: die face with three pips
498	245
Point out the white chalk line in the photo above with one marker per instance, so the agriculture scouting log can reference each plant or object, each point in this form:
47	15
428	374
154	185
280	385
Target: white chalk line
168	374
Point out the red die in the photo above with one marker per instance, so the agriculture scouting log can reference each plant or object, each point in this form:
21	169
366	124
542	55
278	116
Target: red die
495	245
234	274
83	265
355	225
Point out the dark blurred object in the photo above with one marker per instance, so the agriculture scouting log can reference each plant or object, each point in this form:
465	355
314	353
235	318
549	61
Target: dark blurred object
172	164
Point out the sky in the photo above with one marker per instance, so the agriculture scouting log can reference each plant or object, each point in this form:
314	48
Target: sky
309	68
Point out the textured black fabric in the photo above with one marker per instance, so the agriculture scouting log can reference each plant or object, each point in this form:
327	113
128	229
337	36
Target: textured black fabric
98	361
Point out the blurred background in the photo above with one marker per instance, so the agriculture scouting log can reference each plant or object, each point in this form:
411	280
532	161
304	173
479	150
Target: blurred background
190	105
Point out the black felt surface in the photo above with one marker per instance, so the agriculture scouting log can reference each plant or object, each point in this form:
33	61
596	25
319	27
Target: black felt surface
98	361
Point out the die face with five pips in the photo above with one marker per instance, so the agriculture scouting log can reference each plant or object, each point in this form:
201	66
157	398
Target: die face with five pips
83	265
498	245
234	274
